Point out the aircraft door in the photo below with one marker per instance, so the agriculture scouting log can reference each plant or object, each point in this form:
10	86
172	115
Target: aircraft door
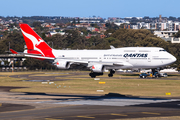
149	58
100	58
127	59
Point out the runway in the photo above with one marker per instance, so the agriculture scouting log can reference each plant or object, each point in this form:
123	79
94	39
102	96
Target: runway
69	107
87	112
43	106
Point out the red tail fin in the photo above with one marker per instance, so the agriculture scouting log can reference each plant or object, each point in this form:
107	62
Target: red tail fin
35	42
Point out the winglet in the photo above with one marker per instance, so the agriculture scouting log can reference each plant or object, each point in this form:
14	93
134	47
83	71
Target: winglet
13	51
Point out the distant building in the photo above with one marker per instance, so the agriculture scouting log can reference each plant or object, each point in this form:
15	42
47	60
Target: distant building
118	21
89	20
83	25
175	40
165	34
143	25
91	28
53	33
171	39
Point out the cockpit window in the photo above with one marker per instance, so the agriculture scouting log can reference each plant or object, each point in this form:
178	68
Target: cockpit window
162	50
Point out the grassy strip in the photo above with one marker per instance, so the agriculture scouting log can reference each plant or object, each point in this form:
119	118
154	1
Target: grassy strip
83	84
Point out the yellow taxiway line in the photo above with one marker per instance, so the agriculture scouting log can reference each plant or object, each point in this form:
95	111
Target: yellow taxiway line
118	114
151	113
85	117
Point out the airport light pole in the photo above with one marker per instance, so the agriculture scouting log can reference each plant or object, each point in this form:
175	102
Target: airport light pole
9	46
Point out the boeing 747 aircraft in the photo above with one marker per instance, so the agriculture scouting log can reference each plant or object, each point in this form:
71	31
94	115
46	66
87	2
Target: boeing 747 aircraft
96	60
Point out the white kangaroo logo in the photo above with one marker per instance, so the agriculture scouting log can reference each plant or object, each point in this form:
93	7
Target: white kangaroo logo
40	41
34	41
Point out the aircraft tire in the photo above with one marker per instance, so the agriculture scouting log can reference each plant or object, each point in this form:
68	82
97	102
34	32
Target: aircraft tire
92	75
110	75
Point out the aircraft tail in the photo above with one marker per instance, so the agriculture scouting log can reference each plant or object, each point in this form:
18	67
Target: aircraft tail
35	44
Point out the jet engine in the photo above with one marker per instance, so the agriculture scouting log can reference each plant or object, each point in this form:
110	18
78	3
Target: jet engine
63	64
98	68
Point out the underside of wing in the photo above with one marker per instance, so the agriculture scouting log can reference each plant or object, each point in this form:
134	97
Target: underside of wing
89	64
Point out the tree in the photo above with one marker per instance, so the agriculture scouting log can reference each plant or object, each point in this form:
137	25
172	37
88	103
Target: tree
146	17
109	32
122	25
113	41
74	21
15	40
94	25
36	24
111	26
178	67
172	18
95	42
33	64
177	35
78	21
57	40
43	35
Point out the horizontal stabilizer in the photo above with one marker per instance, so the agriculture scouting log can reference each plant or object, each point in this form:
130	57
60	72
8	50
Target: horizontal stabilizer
13	51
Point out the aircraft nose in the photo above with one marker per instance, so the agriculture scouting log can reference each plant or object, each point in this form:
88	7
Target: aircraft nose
173	59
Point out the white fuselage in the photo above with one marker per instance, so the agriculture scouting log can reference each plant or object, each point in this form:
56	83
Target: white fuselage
132	57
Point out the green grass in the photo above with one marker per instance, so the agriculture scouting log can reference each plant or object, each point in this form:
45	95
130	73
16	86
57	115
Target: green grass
83	84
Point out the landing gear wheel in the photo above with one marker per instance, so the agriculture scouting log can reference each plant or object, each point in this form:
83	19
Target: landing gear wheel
110	75
92	75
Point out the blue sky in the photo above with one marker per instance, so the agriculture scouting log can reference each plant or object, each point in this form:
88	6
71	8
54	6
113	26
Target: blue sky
86	8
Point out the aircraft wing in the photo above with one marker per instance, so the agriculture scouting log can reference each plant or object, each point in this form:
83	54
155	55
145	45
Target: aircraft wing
89	63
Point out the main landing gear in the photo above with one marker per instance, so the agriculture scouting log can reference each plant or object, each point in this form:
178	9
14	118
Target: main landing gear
94	74
111	73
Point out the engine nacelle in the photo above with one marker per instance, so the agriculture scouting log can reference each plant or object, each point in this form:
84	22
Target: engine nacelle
63	64
98	68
